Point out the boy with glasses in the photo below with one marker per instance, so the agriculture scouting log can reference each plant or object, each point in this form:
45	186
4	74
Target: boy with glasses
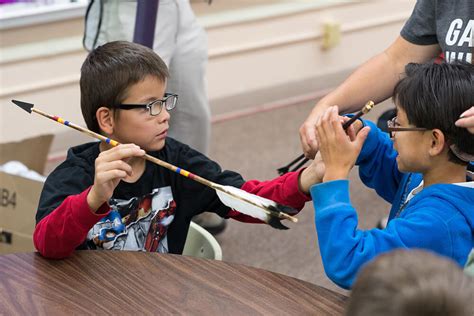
422	173
111	198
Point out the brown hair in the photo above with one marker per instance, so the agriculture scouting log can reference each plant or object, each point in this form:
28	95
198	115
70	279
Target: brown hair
108	72
412	282
434	96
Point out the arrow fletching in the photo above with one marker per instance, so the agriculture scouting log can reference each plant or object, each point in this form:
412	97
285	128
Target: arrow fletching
255	206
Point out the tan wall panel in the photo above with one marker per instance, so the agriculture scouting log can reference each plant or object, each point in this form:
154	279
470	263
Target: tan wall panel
41	63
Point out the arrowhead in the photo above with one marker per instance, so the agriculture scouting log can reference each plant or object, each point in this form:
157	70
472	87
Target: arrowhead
24	105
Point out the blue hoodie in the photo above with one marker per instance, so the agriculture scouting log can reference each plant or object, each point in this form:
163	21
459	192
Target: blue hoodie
439	218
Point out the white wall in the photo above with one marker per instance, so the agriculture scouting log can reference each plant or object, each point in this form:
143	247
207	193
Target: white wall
250	50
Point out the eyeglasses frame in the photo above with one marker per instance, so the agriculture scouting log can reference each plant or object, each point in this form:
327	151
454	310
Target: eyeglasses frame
130	106
392	128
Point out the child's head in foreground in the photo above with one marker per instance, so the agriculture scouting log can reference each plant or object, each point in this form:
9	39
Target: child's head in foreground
119	83
429	99
409	283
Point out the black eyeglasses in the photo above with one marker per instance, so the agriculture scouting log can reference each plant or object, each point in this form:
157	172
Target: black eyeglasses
155	107
394	126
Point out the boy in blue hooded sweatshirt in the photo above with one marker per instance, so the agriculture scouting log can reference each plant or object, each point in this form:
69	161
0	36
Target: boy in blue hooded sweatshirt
422	173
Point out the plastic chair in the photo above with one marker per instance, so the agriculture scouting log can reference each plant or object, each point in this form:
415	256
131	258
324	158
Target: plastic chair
201	244
469	267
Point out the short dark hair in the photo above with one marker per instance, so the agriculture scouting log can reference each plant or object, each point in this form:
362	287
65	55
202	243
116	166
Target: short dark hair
434	96
411	282
108	72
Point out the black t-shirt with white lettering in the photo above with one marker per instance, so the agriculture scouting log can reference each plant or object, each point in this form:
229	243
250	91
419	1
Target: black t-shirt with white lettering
447	23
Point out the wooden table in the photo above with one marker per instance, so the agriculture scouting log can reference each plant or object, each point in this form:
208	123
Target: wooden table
119	282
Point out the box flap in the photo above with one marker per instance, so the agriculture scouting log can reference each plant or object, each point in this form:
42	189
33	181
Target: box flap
32	152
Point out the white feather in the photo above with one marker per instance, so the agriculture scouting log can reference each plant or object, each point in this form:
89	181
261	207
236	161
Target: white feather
254	209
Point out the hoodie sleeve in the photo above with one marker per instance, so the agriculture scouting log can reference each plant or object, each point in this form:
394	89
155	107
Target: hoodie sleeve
59	233
345	249
63	217
377	163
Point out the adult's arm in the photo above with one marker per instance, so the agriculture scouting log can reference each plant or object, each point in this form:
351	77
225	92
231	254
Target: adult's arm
374	80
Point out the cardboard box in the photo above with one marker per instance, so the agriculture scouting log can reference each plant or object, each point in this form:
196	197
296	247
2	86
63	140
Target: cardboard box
19	196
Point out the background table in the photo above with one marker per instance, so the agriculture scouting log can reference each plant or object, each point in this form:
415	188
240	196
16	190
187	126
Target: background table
96	282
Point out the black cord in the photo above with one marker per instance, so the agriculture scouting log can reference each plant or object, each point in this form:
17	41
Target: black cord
99	24
299	165
286	169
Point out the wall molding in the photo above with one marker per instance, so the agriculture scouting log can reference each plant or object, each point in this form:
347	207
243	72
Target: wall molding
29	14
70	45
264	13
40	86
41	50
296	38
67	46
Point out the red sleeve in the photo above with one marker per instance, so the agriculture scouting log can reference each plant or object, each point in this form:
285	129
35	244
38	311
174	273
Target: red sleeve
283	190
60	232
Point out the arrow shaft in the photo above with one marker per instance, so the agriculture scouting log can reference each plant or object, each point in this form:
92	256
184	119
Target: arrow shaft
161	163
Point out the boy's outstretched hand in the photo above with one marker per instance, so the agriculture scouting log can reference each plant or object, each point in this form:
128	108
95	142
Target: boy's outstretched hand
339	150
110	168
312	175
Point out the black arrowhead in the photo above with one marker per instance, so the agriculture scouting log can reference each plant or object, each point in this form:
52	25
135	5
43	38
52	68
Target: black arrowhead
24	105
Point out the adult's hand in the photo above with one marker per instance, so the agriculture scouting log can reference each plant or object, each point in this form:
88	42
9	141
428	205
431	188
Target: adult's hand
308	132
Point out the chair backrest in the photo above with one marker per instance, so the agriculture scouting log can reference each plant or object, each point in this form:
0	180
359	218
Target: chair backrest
200	243
469	267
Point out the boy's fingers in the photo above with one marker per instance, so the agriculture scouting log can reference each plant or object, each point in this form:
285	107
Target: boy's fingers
319	126
351	132
115	165
318	140
345	119
325	116
122	152
336	122
320	132
361	137
326	124
111	175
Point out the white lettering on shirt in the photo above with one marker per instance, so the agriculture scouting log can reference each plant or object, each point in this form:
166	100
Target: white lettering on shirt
452	56
455	29
453	32
467	35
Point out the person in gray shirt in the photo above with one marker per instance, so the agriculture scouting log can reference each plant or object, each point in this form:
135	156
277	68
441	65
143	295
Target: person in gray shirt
434	28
